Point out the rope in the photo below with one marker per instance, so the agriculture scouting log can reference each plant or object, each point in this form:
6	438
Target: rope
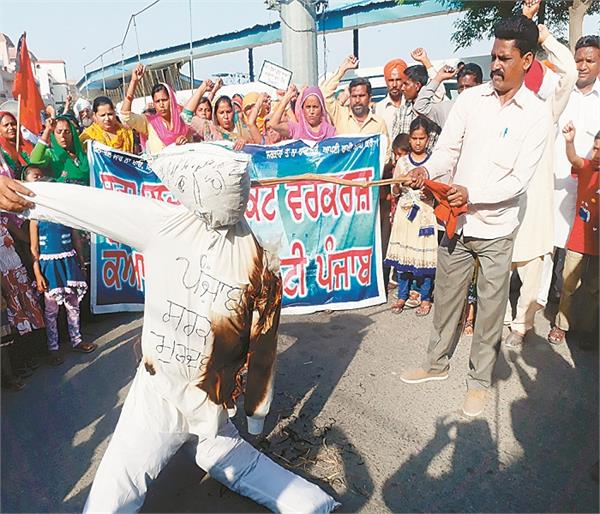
313	177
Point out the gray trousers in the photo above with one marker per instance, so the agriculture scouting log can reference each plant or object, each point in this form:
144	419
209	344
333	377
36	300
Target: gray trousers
455	263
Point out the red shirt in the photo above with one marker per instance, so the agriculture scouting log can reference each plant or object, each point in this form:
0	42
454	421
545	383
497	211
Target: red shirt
584	232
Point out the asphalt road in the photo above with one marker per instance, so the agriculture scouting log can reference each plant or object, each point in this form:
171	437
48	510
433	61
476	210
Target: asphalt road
340	417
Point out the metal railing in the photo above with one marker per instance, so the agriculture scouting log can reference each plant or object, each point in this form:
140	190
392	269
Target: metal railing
121	45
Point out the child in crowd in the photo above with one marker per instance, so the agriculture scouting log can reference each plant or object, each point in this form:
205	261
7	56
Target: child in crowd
400	148
58	276
581	260
412	250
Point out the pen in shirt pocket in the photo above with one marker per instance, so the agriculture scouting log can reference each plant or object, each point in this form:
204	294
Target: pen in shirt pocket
504	132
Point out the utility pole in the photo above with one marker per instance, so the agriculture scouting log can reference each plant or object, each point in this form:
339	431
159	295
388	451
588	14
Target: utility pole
299	37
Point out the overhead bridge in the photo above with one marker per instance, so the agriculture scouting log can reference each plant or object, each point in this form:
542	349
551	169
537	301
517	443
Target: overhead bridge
352	16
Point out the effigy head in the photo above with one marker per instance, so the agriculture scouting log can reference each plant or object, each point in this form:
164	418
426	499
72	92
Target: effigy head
209	179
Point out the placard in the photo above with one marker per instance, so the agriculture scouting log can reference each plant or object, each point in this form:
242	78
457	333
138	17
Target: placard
275	76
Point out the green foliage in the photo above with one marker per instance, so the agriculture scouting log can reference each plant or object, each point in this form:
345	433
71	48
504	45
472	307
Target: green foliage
479	17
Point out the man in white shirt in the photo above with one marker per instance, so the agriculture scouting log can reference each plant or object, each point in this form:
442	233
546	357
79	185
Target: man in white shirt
534	241
490	147
583	109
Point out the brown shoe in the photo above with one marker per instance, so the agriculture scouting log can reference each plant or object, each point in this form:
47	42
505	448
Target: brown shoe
85	347
419	375
475	401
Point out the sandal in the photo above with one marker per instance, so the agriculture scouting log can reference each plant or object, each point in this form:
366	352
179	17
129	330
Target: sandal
414	300
397	307
85	347
412	303
468	328
424	309
556	336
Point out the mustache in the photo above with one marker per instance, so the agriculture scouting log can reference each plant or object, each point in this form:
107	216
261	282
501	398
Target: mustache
360	109
497	72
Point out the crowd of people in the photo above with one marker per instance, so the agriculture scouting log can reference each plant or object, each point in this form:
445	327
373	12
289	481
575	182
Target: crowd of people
515	159
535	191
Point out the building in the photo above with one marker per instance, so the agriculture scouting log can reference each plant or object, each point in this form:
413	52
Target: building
51	75
52	78
8	55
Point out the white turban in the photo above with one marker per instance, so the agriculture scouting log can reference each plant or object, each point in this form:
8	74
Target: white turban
80	105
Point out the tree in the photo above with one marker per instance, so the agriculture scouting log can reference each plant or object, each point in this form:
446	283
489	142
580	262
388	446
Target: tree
479	17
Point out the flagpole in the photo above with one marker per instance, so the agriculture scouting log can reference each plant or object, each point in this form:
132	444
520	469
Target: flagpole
18	121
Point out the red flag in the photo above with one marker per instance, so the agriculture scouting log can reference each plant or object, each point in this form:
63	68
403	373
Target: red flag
31	100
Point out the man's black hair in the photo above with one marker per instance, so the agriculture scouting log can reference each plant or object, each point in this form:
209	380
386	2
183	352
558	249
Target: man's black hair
417	73
597	135
471	69
521	30
360	81
585	41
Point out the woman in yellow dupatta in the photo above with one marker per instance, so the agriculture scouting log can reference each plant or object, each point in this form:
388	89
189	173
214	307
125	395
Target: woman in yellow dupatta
106	128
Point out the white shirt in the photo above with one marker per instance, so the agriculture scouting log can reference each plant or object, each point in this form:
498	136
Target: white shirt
535	236
386	110
492	150
584	112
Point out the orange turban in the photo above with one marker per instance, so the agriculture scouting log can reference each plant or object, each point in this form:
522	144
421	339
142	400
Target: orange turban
396	64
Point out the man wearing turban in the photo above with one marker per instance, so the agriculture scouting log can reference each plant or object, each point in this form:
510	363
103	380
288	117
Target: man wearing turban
393	72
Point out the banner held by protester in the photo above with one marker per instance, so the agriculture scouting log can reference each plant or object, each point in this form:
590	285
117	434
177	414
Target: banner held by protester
327	235
117	271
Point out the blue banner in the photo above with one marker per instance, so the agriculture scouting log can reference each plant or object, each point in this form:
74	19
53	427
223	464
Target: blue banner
327	235
117	274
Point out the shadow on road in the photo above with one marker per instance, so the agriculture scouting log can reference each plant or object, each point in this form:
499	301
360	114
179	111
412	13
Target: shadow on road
309	372
556	426
52	429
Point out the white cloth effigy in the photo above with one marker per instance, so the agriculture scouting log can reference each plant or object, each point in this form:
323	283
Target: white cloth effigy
212	305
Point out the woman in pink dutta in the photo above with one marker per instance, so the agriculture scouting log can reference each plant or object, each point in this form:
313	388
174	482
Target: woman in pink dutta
311	122
212	306
161	129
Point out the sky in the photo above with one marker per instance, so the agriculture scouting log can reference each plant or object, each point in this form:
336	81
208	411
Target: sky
77	31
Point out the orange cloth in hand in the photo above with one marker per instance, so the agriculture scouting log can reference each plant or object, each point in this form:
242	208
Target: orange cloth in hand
443	212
